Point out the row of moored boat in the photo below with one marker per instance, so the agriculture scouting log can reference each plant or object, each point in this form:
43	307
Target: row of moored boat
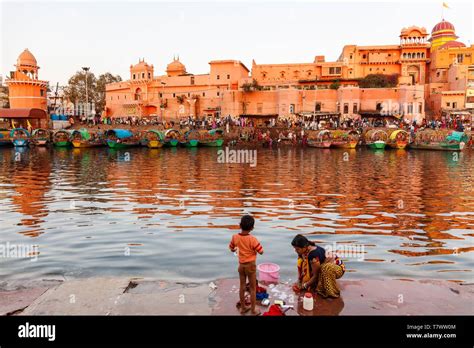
113	138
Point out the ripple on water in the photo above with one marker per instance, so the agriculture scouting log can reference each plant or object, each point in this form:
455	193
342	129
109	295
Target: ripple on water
164	212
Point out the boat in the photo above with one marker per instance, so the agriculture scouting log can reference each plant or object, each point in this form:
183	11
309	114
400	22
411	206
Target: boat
212	138
321	139
153	139
20	137
172	137
191	139
441	140
345	139
5	137
191	143
376	139
62	138
40	137
82	138
398	139
121	138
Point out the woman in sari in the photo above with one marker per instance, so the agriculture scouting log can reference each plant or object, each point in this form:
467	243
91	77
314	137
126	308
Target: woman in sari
316	270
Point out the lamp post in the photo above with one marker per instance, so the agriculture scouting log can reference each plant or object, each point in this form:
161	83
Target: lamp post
86	69
162	106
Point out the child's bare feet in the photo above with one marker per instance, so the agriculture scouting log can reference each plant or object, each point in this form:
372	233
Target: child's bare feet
244	309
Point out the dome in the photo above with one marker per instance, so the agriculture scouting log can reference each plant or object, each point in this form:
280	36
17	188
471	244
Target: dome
453	44
176	66
26	58
141	65
443	25
442	33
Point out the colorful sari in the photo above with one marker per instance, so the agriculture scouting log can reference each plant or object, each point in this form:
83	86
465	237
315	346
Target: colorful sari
333	268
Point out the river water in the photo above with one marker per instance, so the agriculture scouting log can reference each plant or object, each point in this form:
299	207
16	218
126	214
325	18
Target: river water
170	213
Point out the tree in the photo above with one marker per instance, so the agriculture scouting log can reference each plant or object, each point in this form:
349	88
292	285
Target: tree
75	91
251	86
379	81
335	85
102	81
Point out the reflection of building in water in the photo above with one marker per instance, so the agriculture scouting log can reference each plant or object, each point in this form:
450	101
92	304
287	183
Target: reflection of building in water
30	177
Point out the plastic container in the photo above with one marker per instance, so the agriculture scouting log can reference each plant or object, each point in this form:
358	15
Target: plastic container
308	302
268	272
54	117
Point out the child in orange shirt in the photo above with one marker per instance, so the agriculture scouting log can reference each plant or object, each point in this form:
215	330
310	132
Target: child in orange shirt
248	246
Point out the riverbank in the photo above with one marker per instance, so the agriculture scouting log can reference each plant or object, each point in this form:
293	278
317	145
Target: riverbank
128	296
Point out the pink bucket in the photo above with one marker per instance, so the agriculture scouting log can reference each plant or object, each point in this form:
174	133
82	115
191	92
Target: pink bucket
268	272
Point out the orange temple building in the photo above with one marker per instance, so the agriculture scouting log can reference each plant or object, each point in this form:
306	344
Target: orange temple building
423	64
27	94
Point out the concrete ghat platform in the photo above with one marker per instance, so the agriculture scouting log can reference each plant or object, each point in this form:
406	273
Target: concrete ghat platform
125	296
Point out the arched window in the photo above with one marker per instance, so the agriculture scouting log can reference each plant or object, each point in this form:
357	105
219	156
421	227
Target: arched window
418	55
138	94
404	55
422	55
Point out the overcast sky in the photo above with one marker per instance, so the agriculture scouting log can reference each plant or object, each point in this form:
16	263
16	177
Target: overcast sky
111	35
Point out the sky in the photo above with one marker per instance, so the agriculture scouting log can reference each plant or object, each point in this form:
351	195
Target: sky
109	35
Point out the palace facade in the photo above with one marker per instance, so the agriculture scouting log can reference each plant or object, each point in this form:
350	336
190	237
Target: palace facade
434	76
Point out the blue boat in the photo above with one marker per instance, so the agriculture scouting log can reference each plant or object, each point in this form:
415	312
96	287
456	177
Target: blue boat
20	136
121	138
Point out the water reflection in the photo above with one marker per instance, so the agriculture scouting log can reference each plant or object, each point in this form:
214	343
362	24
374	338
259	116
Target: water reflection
413	211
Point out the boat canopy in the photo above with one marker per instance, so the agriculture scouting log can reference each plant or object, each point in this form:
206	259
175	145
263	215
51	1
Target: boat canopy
120	133
68	132
160	134
39	131
216	131
457	136
372	133
323	132
394	134
191	134
171	131
83	132
340	133
22	130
